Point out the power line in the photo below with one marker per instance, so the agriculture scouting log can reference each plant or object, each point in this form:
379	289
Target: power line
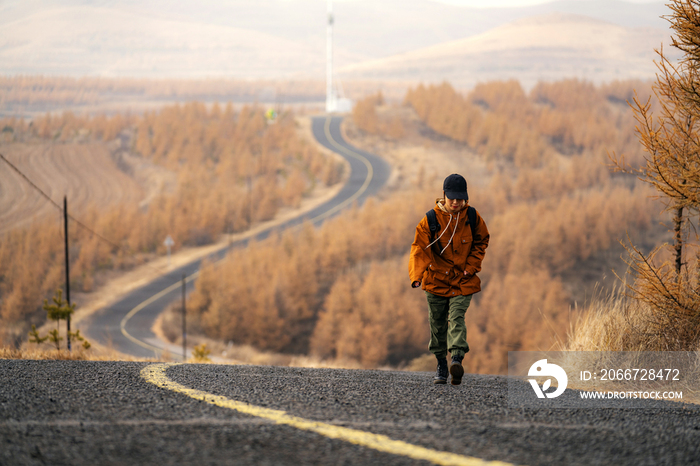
78	222
31	183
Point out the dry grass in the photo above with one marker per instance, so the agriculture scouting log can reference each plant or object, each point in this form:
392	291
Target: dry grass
64	355
600	326
617	323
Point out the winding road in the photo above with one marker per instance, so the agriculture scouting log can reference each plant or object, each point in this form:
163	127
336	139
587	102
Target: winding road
126	324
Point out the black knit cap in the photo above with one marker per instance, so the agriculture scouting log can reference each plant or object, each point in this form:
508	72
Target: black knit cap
455	187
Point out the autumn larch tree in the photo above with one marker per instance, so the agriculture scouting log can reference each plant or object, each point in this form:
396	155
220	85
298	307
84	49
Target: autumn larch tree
672	142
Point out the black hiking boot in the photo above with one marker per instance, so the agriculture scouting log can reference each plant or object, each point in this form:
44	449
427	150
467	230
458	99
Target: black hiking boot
456	370
441	375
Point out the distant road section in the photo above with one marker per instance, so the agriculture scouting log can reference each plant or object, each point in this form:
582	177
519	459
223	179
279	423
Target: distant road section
126	324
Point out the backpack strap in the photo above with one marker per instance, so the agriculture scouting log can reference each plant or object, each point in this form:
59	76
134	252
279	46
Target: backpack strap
471	218
432	223
435	226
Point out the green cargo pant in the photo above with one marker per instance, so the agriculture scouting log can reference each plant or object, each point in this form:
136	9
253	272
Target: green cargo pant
447	328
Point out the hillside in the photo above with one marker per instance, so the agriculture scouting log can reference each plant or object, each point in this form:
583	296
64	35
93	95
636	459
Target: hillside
124	43
549	47
84	172
270	39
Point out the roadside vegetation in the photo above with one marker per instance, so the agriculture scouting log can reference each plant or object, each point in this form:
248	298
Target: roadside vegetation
339	293
658	309
232	169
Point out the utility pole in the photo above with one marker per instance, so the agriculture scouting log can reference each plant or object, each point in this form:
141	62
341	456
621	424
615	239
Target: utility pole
330	94
184	321
65	236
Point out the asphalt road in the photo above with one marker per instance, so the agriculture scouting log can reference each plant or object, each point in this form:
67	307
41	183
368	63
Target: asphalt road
126	324
84	412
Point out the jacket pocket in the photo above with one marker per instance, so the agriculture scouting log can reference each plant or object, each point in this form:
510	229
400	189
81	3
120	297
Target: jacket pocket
438	281
465	246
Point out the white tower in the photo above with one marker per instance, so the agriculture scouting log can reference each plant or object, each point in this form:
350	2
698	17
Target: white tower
331	99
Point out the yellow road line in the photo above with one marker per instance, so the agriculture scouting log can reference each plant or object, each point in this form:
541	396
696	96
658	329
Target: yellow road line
353	154
145	303
358	193
155	374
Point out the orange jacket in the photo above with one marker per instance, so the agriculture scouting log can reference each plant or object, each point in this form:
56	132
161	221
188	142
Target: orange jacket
441	267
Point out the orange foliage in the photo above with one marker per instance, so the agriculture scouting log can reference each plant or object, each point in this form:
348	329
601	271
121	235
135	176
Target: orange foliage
348	290
66	127
550	204
532	316
341	291
270	294
367	119
502	122
364	115
20	93
233	169
556	233
372	317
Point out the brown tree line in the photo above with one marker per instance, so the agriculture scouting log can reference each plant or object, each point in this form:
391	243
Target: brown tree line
503	122
63	90
366	117
272	294
665	291
232	169
21	92
341	292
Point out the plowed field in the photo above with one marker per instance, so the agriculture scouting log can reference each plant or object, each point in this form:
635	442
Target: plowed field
84	172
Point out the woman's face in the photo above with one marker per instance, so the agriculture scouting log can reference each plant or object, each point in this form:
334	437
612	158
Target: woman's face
454	205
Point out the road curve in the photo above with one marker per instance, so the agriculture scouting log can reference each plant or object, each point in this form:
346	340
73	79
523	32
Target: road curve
126	324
